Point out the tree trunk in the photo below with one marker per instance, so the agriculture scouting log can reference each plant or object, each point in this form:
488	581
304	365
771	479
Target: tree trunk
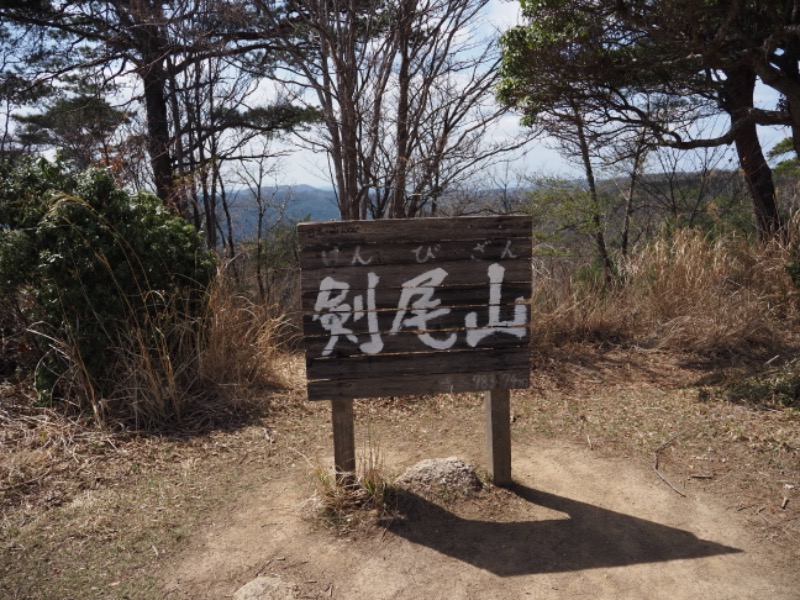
597	219
145	22
158	142
181	192
403	84
739	88
639	153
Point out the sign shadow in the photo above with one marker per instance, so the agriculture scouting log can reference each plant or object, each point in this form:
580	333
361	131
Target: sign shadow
591	537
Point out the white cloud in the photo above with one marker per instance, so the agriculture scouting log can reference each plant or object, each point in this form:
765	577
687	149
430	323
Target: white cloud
503	14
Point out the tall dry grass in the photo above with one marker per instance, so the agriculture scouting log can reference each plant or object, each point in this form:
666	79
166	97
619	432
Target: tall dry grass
725	296
181	370
244	341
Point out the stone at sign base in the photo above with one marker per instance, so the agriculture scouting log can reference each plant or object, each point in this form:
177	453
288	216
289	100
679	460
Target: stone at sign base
438	473
265	588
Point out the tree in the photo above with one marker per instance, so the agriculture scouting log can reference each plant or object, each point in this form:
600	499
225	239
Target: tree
79	126
216	124
16	90
694	189
789	163
687	60
119	34
404	87
573	130
628	158
157	42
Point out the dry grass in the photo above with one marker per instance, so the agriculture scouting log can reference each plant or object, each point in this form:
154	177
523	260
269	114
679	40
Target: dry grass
171	362
349	504
184	371
242	342
721	297
46	456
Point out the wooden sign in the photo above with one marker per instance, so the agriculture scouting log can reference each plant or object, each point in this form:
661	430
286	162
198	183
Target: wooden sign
413	306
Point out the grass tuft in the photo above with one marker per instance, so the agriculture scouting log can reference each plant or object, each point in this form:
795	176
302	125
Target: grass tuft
350	504
176	370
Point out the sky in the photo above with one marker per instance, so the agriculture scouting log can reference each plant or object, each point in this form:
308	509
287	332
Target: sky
309	168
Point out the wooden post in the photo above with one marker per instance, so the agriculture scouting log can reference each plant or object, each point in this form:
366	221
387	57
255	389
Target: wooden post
498	435
344	444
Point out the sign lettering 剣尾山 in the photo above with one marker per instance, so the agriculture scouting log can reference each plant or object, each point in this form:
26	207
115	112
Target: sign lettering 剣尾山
415	306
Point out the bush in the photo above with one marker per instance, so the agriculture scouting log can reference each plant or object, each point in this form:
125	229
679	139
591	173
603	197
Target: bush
93	267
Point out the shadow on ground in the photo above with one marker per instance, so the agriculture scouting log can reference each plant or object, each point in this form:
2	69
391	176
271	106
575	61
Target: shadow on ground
590	538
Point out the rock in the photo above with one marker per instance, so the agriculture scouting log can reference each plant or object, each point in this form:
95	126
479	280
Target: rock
265	588
449	475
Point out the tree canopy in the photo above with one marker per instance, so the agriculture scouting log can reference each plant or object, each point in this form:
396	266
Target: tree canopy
402	91
664	66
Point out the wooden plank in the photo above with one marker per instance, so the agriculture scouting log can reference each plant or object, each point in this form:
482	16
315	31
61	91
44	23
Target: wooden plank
344	445
450	296
415	253
394	276
498	435
312	235
434	383
389	365
409	341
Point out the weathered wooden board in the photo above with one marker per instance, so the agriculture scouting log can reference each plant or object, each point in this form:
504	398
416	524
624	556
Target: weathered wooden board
395	276
462	296
418	253
409	342
388	365
413	306
421	384
390	323
316	236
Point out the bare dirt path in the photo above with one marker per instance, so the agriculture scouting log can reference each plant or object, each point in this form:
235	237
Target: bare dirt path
577	524
93	515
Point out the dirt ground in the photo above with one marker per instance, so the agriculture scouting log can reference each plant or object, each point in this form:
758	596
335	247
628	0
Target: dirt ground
580	521
575	526
631	481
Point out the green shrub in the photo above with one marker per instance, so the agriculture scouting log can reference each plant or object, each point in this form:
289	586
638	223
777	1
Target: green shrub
102	266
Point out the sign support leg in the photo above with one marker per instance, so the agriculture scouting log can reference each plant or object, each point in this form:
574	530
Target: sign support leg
344	445
498	435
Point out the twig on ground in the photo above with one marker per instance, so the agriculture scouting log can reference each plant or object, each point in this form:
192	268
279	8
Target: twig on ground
655	464
665	480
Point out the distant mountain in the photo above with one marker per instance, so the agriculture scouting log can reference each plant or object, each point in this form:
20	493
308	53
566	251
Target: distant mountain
288	204
305	202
